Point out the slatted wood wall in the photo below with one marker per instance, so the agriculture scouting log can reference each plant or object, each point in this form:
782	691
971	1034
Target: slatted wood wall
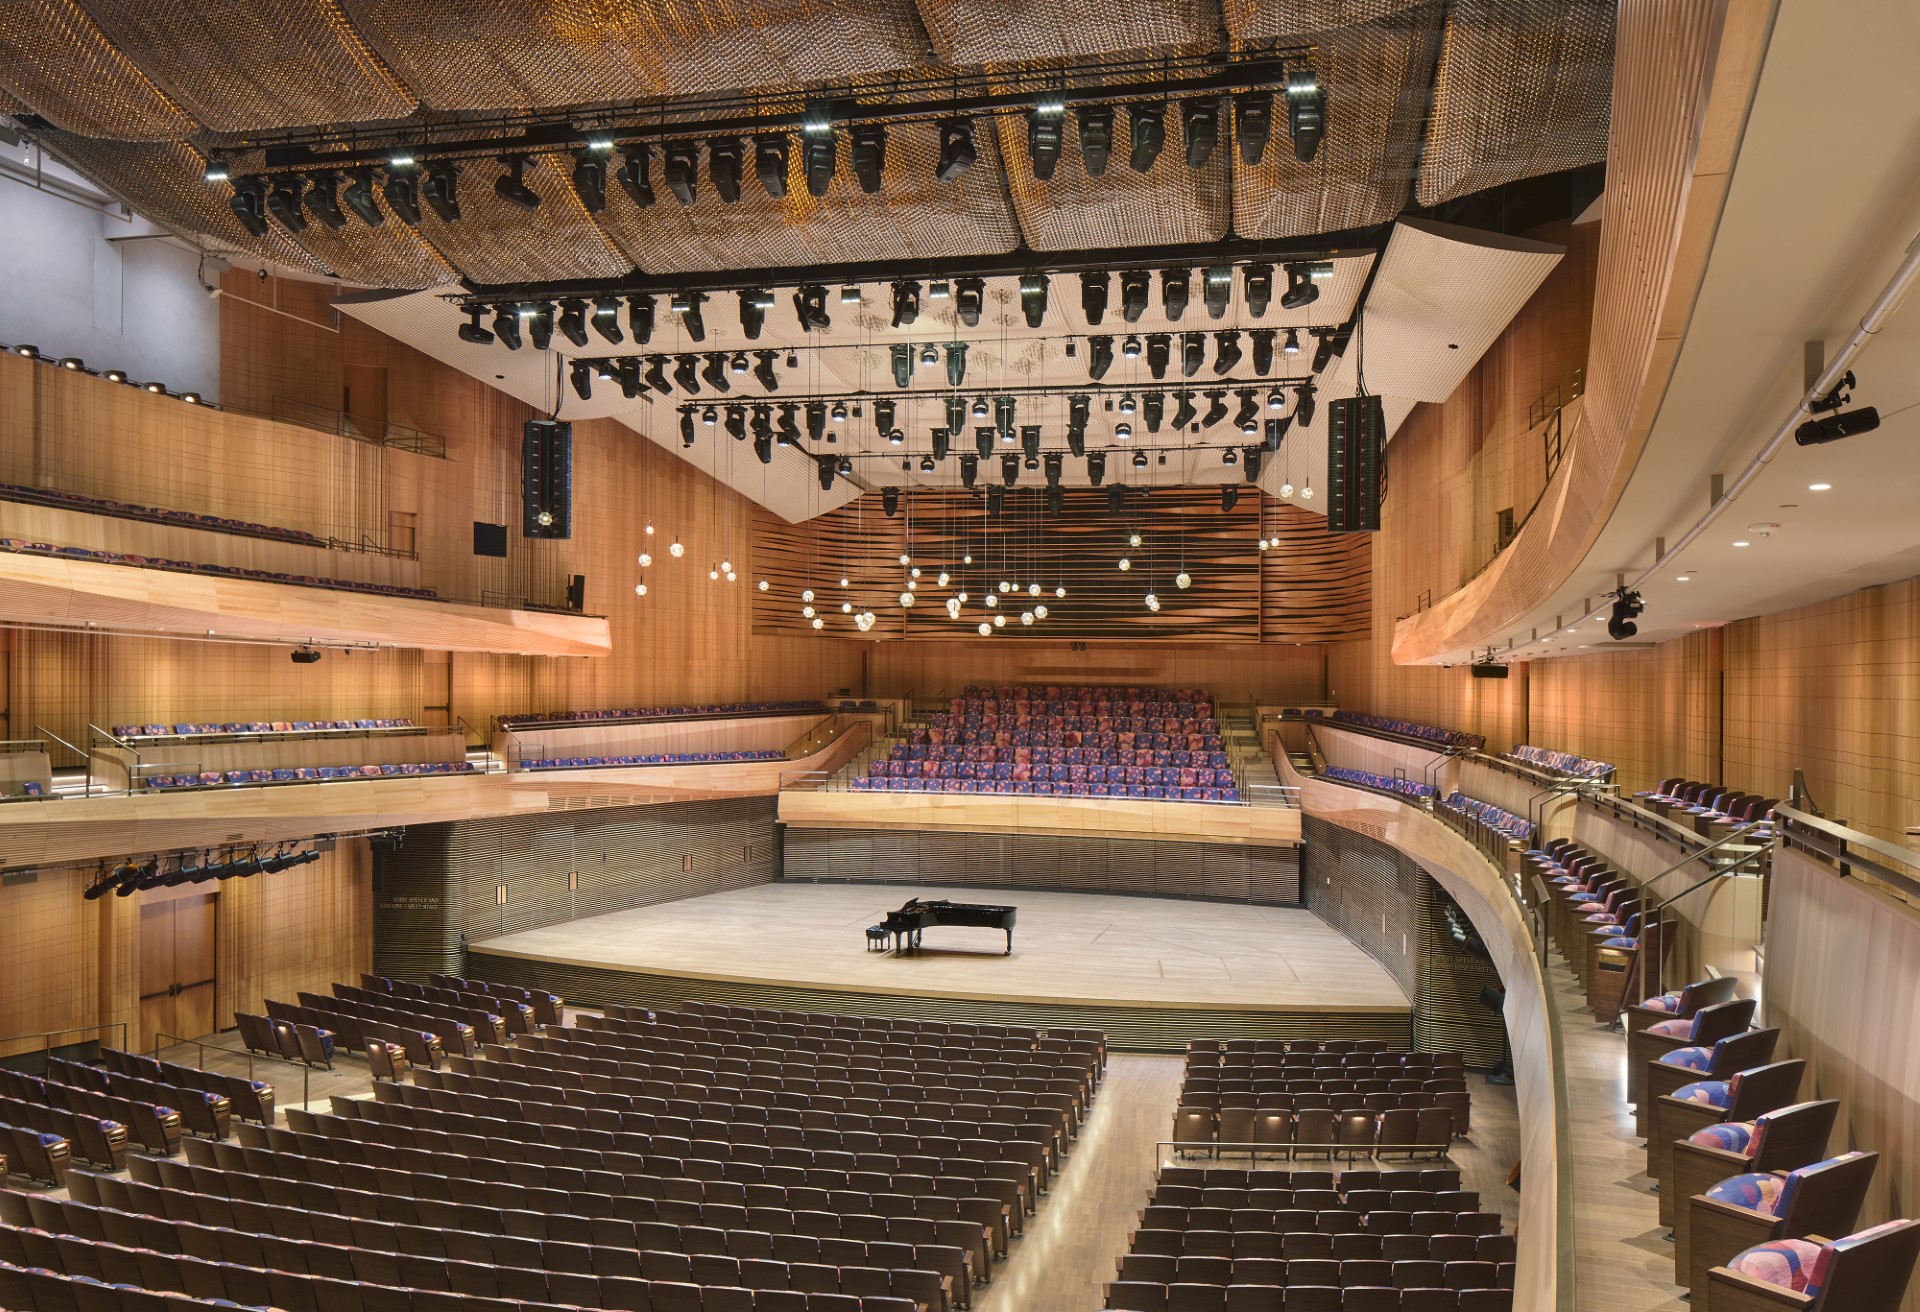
1225	872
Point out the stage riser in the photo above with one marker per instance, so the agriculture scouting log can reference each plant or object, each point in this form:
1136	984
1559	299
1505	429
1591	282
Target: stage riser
1132	1029
1068	863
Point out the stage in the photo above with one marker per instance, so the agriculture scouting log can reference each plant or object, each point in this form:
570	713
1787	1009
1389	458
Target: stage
1153	972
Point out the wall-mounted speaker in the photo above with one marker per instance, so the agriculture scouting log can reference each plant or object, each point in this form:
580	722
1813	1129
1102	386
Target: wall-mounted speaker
1489	671
489	539
1356	449
577	592
546	479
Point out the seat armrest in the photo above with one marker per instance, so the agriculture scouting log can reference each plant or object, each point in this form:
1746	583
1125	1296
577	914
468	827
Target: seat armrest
1732	1292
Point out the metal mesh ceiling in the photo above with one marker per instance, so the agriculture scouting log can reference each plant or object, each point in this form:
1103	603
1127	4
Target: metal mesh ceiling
715	45
498	242
1376	103
1009	31
1522	89
252	65
57	62
1271	20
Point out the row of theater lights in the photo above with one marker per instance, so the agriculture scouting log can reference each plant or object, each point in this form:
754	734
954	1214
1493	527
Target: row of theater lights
288	198
127	878
79	366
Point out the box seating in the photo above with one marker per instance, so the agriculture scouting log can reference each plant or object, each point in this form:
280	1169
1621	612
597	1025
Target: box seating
196	1110
79	1116
25	547
47	496
1785	1139
1502	822
1752	1209
1865	1272
1721	1113
249	1099
1381	783
1406	729
1710	807
546	1006
145	734
307	774
1561	763
641	713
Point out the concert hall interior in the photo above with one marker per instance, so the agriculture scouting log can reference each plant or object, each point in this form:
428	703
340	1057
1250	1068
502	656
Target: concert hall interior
706	656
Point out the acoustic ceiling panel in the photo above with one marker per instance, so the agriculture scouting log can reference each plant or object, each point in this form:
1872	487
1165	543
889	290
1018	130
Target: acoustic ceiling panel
913	216
1376	76
57	62
495	241
1274	20
166	182
254	65
993	31
1522	89
697	46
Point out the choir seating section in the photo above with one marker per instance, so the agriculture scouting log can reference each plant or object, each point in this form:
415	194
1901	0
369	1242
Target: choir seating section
1561	763
1065	742
662	735
1410	789
1423	733
170	756
1712	809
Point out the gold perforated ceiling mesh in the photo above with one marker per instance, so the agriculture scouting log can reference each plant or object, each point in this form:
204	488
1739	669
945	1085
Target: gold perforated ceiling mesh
56	61
1522	89
716	45
496	242
1005	31
1270	20
1363	173
251	65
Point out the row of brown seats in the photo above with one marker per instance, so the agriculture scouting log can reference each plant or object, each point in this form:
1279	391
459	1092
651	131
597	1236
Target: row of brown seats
1144	1297
250	1099
455	1034
546	1006
1362	1200
1348	1247
487	1021
1185	1239
1369	1272
1310	1177
420	1045
1426	1128
821	1039
518	1015
155	1128
199	1112
756	1016
294	1041
95	1139
33	1290
38	1156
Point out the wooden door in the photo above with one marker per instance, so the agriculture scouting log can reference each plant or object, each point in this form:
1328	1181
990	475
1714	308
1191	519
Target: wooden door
177	967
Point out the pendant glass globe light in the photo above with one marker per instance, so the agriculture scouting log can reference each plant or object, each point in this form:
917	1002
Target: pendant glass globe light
967	559
646	558
1040	611
906	599
1060	592
992	599
1125	564
676	550
1182	579
905	559
807	595
713	574
806	612
639	589
1033	589
999	621
986	630
819	623
846	608
1286	488
764	585
944	578
1133	539
1026	617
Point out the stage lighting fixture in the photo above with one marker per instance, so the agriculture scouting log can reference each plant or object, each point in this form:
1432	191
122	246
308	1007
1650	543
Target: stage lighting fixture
1153	409
969	295
736	422
1159	353
725	157
956	363
1276	400
635	174
1122	431
770	164
657	375
1147	131
979	407
1831	428
1626	607
1249	412
1277	431
1216	289
957	151
627	371
402	191
816	420
606	318
358	197
788	434
1262	350
942	443
506	326
969	470
1258	279
1250	460
1030	440
1130	348
640	318
539	317
217	169
1009	469
1096	137
901	354
1193	353
1003	415
512	187
471	331
249	205
686	373
1097	468
983	438
283	202
709	417
589	177
1200	127
823	468
1216	409
1226	351
883	412
1301	289
819	149
1306	113
956	407
1175	287
1303	403
1229	457
1292	346
680	166
890	501
1184	412
1054	464
1033	298
1135	287
906	302
763	425
573	320
1099	357
1127	404
869	155
763	444
715	372
1253	124
1044	134
1093	296
581	375
996	505
1140	460
323	198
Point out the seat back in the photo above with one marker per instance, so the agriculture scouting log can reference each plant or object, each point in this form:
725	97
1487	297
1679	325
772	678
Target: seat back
1764	1088
1739	1052
1793	1137
1868	1272
1825	1199
1706	993
1723	1020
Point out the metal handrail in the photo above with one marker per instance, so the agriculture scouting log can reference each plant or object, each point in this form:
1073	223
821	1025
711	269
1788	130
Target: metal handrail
1841	845
46	1048
201	1046
1691	858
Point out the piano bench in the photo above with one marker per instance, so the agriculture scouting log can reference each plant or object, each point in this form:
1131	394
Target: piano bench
876	938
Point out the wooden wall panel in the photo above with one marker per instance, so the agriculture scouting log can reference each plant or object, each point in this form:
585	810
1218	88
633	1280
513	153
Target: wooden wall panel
1653	712
1235	674
301	929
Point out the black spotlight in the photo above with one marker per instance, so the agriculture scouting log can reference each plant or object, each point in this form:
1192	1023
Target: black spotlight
906	302
901	354
883	413
402	190
1326	344
1159	353
725	158
957	151
1135	286
1262	350
1193	353
1033	298
942	443
1093	296
823	468
635	174
1229	498
512	187
810	303
736	422
996	501
819	150
1250	459
606	318
715	372
1216	409
686	428
249	205
573	320
580	373
680	167
688	304
1258	280
640	318
1249	411
956	413
1226	351
890	501
1099	357
1216	290
956	364
1097	467
506	326
789	431
753	312
969	295
1184	412
627	370
1832	428
471	331
590	177
540	325
1277	431
1056	500
1626	606
686	374
764	371
323	198
657	375
770	164
1175	287
969	470
869	155
283	202
1043	135
1009	469
1301	291
1253	124
1303	403
1079	410
1147	126
442	189
1030	440
1003	414
1153	410
1096	138
1200	128
358	197
1306	113
1054	464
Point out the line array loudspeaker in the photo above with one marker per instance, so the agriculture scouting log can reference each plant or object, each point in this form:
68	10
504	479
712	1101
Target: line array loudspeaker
546	479
1356	448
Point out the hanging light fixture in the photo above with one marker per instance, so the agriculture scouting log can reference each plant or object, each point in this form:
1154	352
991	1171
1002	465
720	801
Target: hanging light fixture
764	585
1182	580
646	558
676	550
639	589
1125	564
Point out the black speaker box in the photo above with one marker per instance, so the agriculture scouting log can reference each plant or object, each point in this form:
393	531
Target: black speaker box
1489	671
546	479
1356	448
489	539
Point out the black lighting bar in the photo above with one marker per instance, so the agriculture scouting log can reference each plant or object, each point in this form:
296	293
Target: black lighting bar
699	400
901	99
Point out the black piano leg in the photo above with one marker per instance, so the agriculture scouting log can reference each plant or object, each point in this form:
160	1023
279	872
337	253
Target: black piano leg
1009	951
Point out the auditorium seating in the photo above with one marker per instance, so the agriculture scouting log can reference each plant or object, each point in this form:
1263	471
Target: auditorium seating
46	496
306	774
1490	816
1563	763
35	1153
1864	1272
199	1111
546	1006
142	735
103	1121
24	547
655	758
1406	729
643	713
249	1099
1280	1096
1381	783
1711	807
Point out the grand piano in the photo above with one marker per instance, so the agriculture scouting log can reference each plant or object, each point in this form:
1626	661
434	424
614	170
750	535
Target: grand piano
906	924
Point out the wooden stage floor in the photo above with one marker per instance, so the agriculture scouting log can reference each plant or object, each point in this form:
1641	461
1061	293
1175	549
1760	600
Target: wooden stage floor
1152	971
